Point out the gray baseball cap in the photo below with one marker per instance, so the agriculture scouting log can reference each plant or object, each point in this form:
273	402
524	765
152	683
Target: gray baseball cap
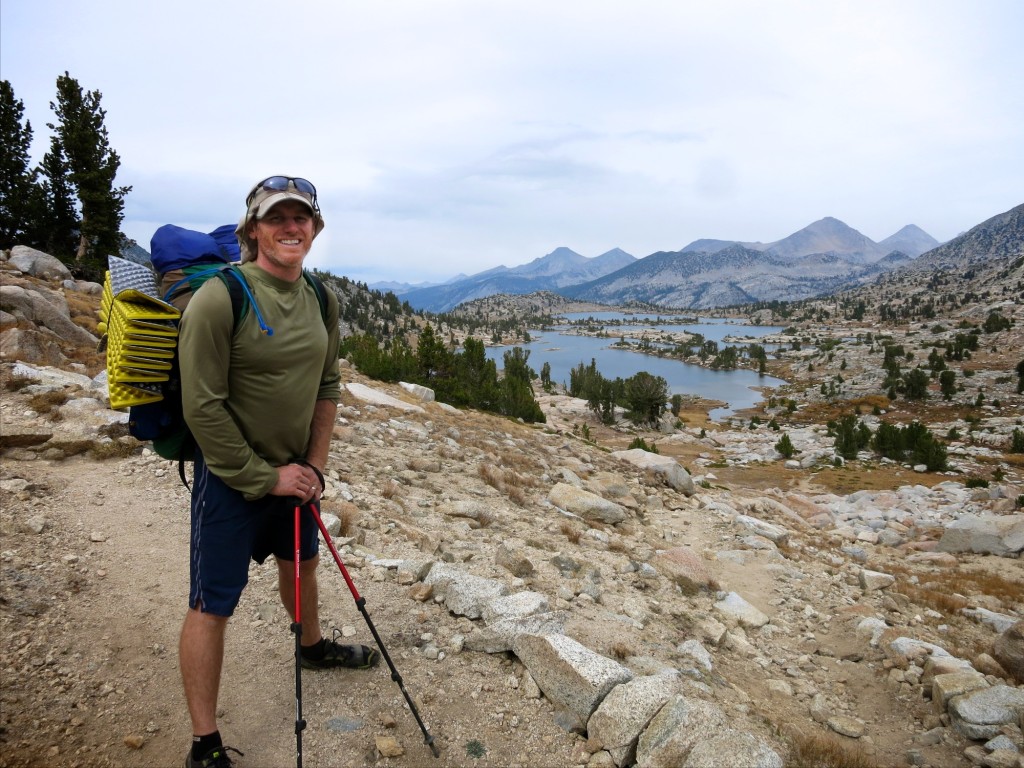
263	197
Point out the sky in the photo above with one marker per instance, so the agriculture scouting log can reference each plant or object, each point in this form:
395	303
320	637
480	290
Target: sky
448	137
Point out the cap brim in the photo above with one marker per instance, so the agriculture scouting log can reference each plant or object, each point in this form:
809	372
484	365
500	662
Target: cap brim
280	197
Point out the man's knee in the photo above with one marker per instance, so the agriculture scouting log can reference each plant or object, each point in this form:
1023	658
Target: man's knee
306	567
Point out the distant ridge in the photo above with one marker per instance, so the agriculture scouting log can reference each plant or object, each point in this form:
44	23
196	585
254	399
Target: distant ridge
1002	236
825	256
830	235
557	269
910	240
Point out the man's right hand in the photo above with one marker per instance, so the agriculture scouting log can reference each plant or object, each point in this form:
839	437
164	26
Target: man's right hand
297	481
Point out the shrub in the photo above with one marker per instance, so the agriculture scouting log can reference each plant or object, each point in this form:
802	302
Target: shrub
851	435
785	446
1017	441
639	442
976	482
913	442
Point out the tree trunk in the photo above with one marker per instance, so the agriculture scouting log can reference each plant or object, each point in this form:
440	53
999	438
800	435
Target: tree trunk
83	244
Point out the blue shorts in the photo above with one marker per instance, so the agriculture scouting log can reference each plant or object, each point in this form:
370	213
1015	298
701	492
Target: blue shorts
228	531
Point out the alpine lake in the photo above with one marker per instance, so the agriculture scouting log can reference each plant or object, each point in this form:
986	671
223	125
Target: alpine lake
563	348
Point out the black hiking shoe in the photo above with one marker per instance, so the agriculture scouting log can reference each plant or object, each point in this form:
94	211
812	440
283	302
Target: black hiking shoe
215	758
345	656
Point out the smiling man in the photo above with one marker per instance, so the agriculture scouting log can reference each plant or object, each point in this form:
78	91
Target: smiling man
261	400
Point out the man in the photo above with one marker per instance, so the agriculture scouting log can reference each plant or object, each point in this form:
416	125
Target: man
261	404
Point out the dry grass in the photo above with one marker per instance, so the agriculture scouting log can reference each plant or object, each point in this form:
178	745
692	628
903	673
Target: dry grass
520	462
517	496
115	449
48	402
493	476
506	481
93	361
616	544
948	591
621	651
949	604
348	514
13	383
390	490
816	750
84	309
570	531
448	452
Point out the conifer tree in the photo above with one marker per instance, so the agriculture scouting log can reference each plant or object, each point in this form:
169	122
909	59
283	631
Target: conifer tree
52	218
93	165
785	446
15	177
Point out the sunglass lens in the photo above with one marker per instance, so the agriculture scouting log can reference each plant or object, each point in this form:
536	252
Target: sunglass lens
277	183
305	187
280	184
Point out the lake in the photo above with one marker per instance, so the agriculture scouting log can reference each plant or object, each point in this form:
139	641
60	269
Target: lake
563	352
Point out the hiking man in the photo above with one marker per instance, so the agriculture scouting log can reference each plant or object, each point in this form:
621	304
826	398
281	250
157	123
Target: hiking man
262	408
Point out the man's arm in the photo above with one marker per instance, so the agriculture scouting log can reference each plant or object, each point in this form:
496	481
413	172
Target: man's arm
299	480
320	431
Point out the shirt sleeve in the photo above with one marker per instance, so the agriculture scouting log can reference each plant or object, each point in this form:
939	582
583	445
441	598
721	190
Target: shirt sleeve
204	354
330	381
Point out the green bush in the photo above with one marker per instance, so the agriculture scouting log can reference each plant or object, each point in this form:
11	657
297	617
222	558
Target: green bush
785	446
1017	441
976	482
639	442
910	443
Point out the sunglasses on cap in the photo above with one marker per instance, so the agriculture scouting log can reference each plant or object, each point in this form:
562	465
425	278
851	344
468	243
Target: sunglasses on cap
282	184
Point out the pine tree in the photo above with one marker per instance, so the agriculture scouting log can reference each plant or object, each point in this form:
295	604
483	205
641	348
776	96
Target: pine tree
947	384
517	398
93	165
15	177
53	224
646	396
915	384
785	446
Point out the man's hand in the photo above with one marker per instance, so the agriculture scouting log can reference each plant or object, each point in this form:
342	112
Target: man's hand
298	481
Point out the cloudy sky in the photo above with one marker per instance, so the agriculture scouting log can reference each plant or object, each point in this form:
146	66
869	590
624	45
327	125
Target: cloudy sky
451	136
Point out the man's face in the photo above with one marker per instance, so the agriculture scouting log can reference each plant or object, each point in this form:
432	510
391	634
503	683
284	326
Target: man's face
284	236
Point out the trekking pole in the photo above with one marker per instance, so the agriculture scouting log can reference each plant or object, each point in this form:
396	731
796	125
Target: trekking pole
361	605
300	724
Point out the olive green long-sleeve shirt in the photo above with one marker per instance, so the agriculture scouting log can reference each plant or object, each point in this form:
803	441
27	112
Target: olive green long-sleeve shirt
249	397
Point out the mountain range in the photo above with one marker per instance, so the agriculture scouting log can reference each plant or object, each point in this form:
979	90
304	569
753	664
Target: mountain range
823	257
559	269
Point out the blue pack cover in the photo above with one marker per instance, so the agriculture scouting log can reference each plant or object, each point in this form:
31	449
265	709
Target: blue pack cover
225	237
174	247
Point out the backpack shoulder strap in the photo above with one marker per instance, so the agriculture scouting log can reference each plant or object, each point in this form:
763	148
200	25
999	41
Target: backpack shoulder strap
241	297
321	293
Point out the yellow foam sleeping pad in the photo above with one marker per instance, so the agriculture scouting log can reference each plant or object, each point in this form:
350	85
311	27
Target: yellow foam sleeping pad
140	331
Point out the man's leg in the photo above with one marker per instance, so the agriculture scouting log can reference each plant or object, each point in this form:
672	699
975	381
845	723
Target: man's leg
309	595
201	654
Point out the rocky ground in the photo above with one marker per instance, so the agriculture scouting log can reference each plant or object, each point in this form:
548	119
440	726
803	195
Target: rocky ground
548	597
790	612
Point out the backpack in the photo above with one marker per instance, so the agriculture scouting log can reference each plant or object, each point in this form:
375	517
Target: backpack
183	260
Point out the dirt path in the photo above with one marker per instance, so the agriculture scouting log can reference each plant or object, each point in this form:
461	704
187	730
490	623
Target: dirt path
92	610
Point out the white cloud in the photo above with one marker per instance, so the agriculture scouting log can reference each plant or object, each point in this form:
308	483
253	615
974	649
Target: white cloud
452	136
